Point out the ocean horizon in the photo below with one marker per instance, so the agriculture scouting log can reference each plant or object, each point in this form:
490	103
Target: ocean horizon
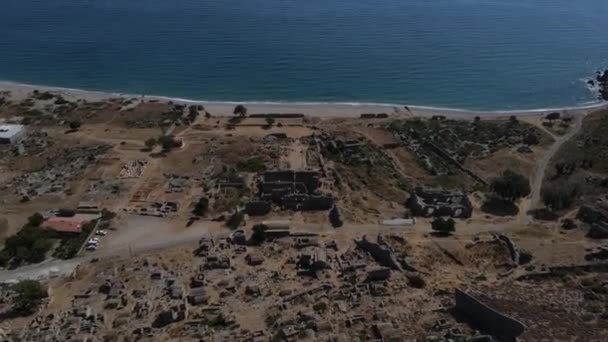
459	54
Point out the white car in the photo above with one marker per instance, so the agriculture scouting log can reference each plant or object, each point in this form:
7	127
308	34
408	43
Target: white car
91	248
93	242
101	233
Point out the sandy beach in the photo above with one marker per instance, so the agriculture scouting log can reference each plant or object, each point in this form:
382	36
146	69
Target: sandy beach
21	91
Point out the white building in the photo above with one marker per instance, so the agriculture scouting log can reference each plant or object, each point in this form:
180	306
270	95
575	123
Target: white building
10	134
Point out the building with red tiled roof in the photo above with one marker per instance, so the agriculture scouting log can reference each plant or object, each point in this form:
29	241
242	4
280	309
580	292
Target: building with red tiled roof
64	224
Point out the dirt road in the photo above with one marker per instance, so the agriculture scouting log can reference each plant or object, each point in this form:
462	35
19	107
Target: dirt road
541	168
126	244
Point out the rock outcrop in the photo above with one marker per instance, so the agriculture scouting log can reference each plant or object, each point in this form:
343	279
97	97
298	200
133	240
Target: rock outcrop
602	81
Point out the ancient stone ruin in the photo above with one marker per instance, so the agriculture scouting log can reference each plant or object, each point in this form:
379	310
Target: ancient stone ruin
429	203
290	190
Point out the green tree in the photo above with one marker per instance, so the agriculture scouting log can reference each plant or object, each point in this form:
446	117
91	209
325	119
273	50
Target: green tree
201	207
259	234
107	214
30	244
511	186
29	295
235	220
35	220
335	217
443	226
37	253
270	121
560	197
4	258
240	110
167	142
531	139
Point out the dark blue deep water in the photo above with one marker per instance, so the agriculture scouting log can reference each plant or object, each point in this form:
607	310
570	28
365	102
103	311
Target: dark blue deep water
471	54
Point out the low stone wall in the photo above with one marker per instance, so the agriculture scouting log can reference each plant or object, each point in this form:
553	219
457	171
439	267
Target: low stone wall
560	271
278	115
486	318
449	158
508	243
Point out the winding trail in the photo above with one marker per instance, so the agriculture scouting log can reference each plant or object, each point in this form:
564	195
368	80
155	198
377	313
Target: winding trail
541	168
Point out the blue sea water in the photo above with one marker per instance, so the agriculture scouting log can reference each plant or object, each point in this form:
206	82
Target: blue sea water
468	54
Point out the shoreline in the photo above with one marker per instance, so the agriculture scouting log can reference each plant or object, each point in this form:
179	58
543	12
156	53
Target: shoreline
330	109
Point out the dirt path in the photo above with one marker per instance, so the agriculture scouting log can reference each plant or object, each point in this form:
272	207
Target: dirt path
136	245
541	168
165	238
296	158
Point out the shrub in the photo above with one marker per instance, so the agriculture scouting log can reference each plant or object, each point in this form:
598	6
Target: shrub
442	226
235	220
416	281
61	101
44	96
150	143
320	307
4	258
531	139
240	110
201	207
107	214
560	197
270	121
253	165
564	168
193	111
29	295
568	224
74	125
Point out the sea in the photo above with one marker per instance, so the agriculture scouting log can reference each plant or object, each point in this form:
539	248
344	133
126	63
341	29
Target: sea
464	54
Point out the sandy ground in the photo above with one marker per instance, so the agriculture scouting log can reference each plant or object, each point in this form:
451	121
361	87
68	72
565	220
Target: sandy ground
21	91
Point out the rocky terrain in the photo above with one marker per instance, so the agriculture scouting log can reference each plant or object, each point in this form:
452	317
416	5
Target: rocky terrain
215	226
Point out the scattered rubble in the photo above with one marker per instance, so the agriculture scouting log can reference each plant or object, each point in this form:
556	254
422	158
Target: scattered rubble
427	203
56	175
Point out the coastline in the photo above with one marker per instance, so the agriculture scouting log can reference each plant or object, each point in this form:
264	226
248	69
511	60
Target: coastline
334	109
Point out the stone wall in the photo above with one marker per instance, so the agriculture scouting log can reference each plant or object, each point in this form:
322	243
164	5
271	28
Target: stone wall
486	318
381	254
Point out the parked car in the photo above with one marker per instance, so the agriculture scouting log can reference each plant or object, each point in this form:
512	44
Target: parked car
93	242
101	232
91	248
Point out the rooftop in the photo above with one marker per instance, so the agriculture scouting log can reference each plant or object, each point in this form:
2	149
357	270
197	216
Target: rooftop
8	131
64	224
